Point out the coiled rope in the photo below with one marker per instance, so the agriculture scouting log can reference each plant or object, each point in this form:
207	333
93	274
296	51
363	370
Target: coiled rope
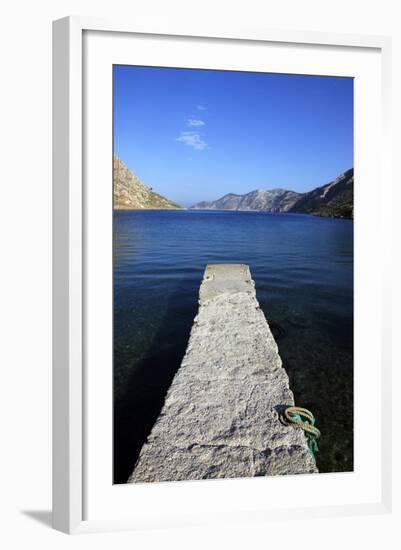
304	419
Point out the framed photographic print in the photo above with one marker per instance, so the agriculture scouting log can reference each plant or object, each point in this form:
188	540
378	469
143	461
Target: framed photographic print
219	275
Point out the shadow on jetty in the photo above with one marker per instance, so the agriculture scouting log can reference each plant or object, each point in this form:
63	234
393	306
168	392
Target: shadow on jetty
136	412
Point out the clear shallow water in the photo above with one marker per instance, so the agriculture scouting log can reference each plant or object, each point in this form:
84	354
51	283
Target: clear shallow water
303	270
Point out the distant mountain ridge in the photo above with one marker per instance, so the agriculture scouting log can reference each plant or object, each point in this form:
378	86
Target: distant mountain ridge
333	199
275	200
130	193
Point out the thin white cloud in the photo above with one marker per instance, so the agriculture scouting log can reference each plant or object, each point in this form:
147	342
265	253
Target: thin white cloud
192	139
195	122
201	108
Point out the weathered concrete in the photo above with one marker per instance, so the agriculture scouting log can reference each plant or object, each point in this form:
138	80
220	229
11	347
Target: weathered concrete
221	413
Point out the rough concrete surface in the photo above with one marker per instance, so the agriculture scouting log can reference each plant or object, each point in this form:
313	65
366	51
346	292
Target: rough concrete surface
221	413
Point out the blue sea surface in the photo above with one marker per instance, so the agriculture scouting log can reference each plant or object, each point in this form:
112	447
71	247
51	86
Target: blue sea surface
303	269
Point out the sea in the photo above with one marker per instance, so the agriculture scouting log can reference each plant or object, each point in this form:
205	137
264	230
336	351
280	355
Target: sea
302	266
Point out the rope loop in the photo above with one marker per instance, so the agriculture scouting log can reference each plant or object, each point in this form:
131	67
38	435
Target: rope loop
304	419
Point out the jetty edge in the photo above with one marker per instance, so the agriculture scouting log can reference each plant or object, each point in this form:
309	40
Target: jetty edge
221	415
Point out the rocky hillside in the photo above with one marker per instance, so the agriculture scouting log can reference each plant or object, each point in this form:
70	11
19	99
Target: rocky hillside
131	194
275	200
333	199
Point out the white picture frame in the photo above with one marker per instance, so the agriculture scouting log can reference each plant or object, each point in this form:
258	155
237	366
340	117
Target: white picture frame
70	258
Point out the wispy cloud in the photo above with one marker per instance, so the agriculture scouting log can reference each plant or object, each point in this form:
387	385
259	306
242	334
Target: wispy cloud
192	139
195	122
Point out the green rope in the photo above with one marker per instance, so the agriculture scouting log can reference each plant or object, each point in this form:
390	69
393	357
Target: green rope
304	419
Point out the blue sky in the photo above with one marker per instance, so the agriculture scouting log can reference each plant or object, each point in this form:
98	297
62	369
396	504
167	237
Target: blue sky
196	135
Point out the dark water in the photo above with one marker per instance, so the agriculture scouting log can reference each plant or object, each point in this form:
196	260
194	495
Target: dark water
303	269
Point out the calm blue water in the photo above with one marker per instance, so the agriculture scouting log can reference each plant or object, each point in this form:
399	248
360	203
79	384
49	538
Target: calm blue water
303	269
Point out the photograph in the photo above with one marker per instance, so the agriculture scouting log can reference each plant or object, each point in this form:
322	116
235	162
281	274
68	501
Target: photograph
199	300
233	274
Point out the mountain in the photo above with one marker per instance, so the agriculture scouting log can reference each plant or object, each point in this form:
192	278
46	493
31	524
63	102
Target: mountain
333	199
275	200
130	193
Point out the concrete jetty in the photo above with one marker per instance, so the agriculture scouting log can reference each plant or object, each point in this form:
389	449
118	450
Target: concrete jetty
220	418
